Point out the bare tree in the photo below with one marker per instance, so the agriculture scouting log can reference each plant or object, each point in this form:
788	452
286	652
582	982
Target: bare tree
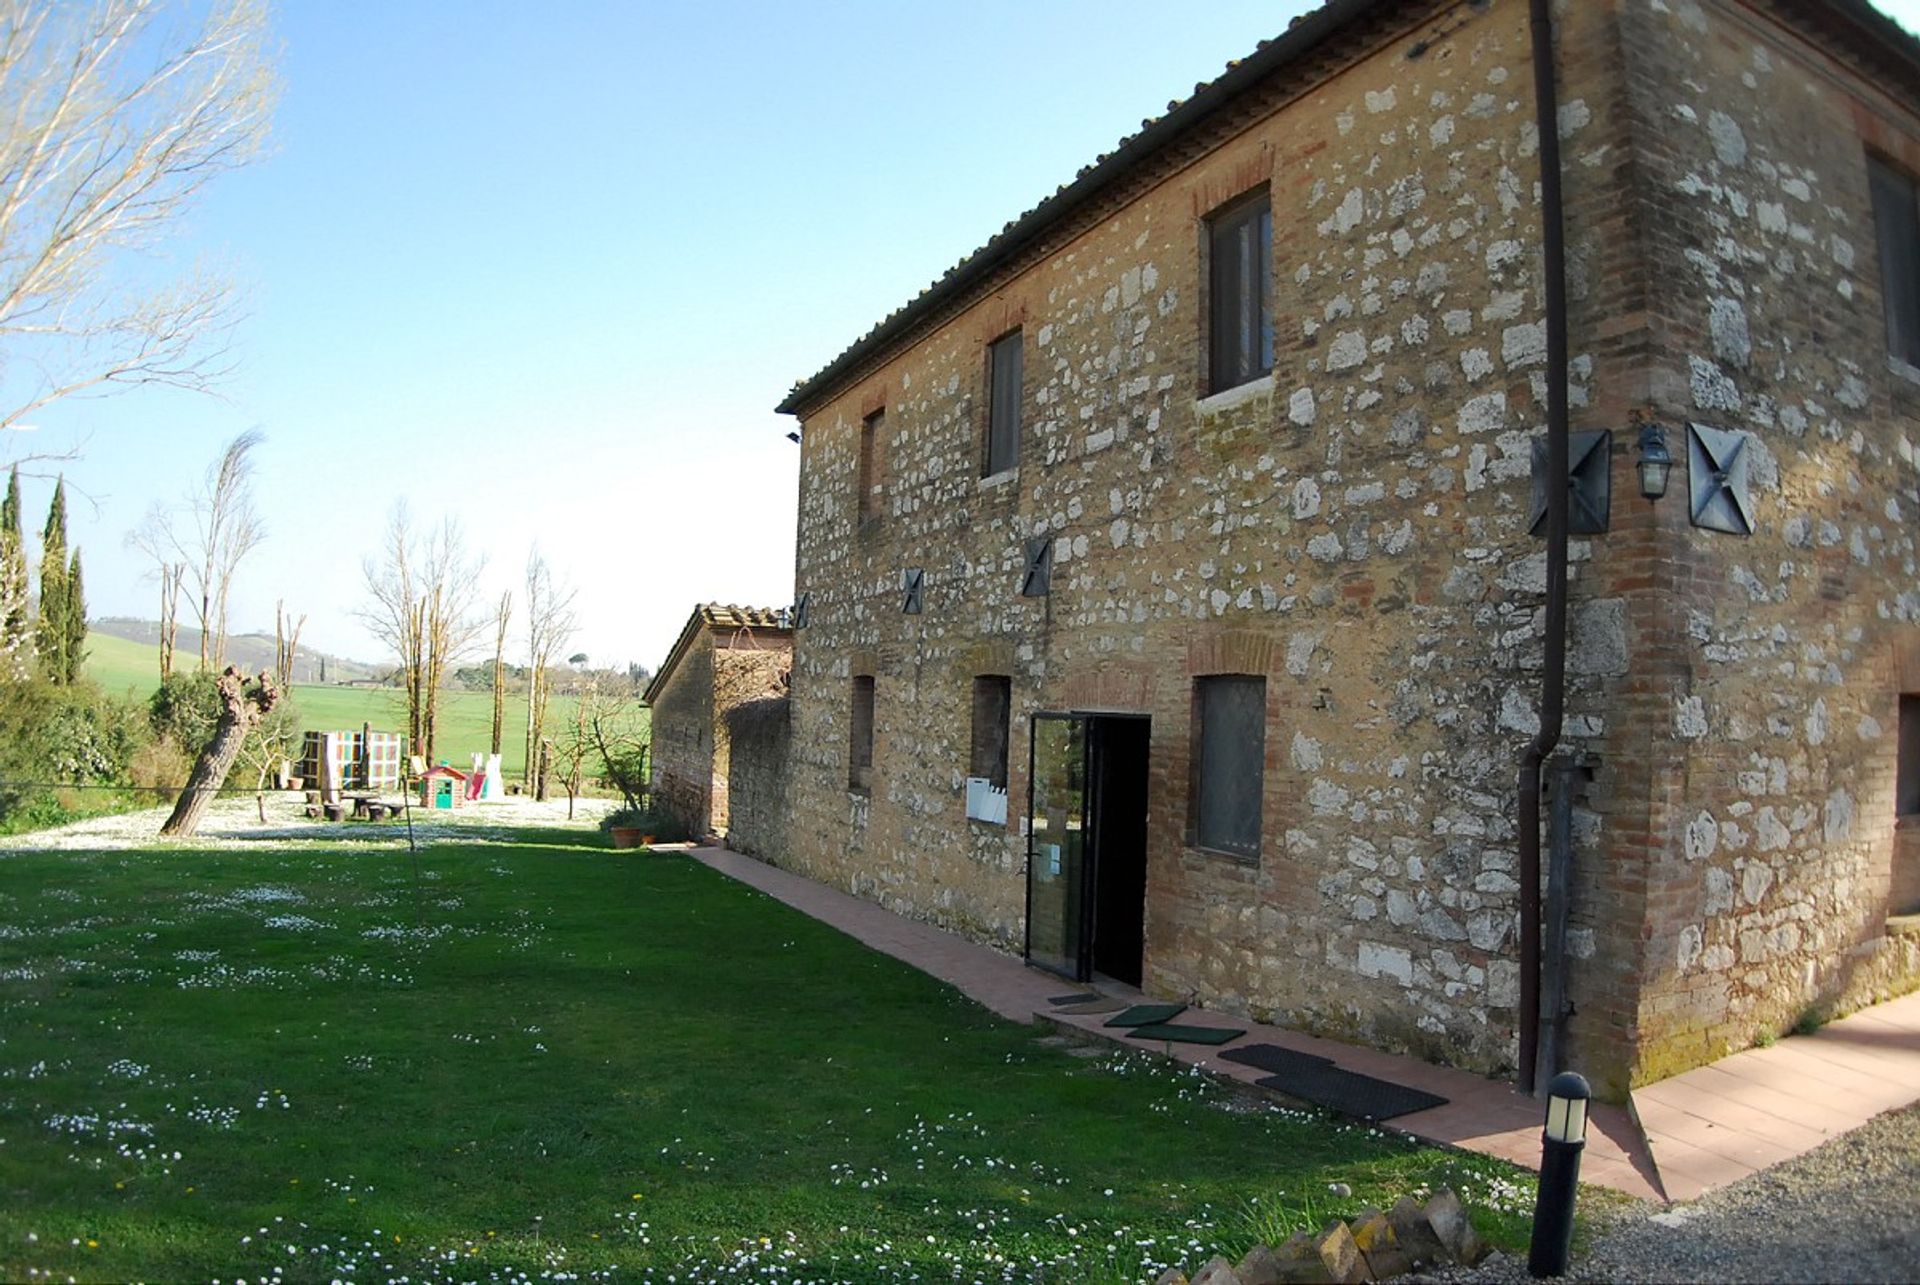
154	537
502	617
116	115
421	596
225	529
286	643
550	624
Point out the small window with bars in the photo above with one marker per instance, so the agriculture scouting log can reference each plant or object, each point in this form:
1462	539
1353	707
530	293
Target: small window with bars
1239	307
860	736
1006	367
1896	224
1229	759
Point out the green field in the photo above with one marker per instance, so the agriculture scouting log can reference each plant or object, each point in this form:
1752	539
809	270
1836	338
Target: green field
466	718
313	1060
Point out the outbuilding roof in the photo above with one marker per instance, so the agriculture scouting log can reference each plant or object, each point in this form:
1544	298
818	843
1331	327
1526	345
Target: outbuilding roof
717	616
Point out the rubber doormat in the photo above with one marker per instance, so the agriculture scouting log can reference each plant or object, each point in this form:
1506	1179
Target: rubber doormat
1078	997
1273	1059
1145	1014
1095	1004
1184	1034
1349	1093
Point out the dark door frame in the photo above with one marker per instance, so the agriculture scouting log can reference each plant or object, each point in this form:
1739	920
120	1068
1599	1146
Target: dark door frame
1088	873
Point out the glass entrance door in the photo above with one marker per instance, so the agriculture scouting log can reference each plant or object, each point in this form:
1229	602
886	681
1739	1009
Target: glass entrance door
1058	867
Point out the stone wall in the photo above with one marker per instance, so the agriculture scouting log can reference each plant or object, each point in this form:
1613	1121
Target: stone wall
758	737
1768	667
1355	530
747	667
683	740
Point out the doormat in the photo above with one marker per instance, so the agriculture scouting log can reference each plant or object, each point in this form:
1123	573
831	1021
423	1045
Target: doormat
1349	1093
1078	997
1143	1014
1094	1004
1274	1059
1184	1034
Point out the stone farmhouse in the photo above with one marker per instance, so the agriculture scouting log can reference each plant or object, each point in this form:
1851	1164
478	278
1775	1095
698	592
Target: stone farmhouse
724	656
1356	559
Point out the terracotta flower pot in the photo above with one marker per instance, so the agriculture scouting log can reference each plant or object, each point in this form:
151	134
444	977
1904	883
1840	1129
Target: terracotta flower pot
628	836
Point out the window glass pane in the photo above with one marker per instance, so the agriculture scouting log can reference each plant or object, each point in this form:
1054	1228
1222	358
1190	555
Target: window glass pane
992	708
1233	738
1006	360
1239	316
1897	231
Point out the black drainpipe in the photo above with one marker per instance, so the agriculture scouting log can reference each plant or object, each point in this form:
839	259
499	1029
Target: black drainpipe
1554	674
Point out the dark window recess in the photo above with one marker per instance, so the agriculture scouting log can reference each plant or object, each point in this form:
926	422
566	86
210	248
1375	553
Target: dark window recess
1036	581
1006	366
912	590
868	479
1231	711
1896	225
1718	494
1906	791
860	736
992	719
801	610
1239	311
1589	482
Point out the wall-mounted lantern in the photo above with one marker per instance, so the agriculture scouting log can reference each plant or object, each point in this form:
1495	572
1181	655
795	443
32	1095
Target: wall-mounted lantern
1656	463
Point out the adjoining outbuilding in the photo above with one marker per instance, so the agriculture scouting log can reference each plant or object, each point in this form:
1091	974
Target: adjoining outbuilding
725	656
1172	595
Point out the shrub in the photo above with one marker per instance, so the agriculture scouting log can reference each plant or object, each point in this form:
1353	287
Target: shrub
57	743
661	827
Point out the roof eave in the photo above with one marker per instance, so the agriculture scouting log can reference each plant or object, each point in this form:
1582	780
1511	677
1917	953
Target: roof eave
1305	35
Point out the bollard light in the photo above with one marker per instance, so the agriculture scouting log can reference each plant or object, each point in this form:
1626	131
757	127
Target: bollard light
1564	1138
1655	462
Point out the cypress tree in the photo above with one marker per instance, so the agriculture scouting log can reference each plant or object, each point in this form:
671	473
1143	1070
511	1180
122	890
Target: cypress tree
16	639
76	640
51	629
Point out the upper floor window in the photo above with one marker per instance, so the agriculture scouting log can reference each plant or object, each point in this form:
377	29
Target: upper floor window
1239	308
1229	762
1006	362
1896	222
867	482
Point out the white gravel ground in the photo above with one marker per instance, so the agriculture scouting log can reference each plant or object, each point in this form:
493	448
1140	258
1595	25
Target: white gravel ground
236	822
1846	1211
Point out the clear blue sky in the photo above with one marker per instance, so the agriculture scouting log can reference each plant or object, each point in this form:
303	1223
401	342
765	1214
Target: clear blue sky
549	268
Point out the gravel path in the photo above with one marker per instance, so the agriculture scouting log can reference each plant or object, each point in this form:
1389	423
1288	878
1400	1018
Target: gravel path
236	822
1846	1211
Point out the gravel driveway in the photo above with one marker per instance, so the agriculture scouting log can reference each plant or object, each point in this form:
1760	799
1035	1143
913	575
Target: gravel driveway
1846	1211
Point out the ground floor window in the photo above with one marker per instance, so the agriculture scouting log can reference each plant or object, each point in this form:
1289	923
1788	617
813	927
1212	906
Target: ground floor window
1229	759
860	736
1906	792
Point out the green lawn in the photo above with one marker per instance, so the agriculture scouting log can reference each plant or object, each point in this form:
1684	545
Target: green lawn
466	718
122	666
296	1060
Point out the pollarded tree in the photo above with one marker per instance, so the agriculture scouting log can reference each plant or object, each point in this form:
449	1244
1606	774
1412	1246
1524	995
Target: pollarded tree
550	624
117	113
